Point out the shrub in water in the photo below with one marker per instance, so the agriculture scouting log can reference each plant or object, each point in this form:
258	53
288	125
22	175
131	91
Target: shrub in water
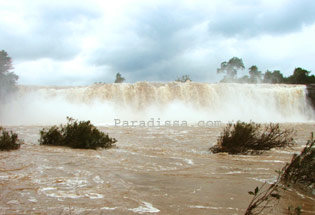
251	138
8	140
76	134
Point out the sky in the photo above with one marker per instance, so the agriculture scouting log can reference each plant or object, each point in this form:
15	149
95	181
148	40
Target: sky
82	42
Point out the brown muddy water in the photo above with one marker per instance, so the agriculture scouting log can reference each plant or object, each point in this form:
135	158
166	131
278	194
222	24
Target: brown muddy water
166	170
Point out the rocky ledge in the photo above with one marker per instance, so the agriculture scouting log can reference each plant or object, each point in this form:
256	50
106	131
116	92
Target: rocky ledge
311	94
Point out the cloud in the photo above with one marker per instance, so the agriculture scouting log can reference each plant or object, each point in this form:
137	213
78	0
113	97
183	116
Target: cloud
153	42
45	31
50	72
263	17
77	42
162	40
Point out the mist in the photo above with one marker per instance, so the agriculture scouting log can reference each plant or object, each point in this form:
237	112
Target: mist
190	102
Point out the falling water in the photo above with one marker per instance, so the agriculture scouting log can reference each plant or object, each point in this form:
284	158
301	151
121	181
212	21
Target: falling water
152	170
191	102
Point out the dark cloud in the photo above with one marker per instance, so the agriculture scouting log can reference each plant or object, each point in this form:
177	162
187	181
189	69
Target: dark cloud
153	44
157	36
53	32
155	41
256	19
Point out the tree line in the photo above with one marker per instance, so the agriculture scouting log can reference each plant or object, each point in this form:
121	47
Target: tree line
8	79
235	64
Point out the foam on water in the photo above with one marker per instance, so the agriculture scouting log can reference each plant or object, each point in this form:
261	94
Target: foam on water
146	208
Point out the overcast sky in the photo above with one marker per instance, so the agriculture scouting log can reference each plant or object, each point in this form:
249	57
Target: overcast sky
81	42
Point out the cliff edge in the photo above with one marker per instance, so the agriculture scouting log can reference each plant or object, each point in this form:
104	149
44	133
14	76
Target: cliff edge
311	94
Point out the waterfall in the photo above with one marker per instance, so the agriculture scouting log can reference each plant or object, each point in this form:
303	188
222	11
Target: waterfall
191	102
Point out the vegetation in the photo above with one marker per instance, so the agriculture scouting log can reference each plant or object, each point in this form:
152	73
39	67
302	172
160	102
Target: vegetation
251	138
119	78
274	77
8	140
264	198
7	77
300	76
183	79
76	134
301	170
230	69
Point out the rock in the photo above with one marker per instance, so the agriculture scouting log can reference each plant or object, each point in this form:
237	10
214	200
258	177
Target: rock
311	94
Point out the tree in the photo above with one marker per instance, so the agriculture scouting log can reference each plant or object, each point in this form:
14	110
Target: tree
7	77
230	69
119	78
301	76
244	79
254	74
274	77
183	79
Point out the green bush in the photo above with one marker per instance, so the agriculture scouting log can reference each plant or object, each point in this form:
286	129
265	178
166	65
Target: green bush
76	134
301	169
251	138
8	140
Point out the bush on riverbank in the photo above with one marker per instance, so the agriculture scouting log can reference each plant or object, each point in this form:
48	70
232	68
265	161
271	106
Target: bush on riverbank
8	140
301	169
251	138
76	134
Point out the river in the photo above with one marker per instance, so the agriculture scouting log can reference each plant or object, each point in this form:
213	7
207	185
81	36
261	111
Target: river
152	169
166	170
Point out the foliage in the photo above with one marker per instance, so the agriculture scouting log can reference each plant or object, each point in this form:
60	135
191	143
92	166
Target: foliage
274	77
230	68
300	76
301	170
183	79
8	140
251	138
7	77
119	78
264	198
294	210
76	134
244	79
254	74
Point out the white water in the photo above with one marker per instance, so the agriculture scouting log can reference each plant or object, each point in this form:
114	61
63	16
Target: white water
158	102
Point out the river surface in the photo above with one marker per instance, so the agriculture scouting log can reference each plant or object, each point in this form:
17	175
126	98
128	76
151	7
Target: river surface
160	170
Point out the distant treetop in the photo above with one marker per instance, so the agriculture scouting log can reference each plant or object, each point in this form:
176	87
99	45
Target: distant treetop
183	79
119	78
7	77
230	69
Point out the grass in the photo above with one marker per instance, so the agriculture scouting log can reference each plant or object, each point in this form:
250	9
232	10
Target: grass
76	134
